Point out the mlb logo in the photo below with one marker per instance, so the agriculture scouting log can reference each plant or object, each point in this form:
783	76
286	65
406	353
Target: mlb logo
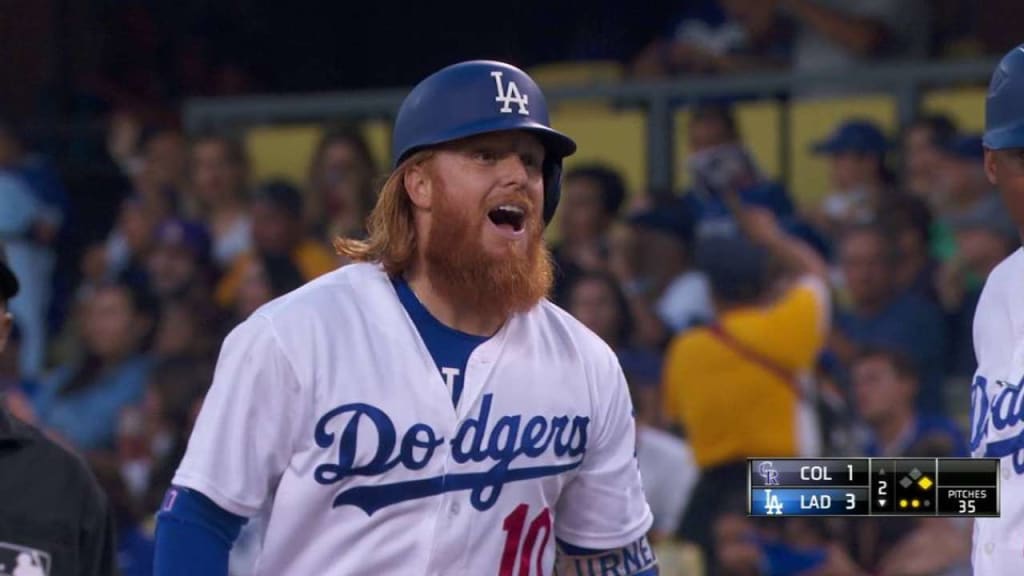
18	560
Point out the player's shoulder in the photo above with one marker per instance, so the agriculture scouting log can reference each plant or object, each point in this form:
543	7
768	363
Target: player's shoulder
1002	283
324	306
1007	274
331	295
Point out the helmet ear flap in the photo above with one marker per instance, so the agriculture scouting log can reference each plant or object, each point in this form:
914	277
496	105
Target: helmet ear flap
552	187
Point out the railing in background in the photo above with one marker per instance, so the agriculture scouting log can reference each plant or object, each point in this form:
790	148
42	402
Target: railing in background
904	80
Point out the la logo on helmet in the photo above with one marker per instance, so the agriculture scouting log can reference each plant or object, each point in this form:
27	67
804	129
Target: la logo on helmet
510	95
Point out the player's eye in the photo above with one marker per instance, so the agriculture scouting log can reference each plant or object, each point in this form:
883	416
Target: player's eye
531	160
484	155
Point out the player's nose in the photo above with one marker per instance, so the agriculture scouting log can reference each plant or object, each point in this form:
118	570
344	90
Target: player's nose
513	171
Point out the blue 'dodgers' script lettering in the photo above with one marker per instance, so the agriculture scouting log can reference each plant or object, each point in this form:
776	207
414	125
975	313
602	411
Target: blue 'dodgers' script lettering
1004	412
511	439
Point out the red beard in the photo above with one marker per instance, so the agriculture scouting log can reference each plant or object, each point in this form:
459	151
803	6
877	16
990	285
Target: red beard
461	270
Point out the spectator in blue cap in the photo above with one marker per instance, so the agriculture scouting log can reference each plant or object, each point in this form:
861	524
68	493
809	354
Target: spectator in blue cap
666	295
180	263
857	173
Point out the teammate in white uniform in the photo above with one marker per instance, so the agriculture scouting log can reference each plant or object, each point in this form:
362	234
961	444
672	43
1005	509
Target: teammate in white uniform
997	399
425	411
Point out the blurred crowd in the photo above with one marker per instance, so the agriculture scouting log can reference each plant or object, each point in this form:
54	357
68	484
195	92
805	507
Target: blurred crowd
73	62
745	324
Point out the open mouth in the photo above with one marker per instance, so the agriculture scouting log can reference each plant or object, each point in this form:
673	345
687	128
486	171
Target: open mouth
508	217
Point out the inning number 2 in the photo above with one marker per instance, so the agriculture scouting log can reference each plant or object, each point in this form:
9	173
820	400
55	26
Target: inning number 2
524	548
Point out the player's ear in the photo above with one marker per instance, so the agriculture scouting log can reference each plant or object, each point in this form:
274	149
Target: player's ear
418	185
990	166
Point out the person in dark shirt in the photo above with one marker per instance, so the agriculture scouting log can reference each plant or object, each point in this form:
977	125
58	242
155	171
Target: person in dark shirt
878	314
54	520
885	386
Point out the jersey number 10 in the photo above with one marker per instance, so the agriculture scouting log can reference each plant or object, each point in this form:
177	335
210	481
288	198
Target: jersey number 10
523	549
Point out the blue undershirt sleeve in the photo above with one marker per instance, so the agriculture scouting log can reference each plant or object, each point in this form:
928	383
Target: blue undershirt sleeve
193	535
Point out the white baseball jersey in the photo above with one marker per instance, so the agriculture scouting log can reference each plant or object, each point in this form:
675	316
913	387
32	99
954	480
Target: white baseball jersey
328	409
997	415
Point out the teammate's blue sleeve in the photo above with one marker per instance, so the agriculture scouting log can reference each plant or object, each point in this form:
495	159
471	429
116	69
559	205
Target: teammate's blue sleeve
193	535
635	559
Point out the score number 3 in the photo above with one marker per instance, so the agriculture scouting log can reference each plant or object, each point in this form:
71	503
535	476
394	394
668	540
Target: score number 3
518	547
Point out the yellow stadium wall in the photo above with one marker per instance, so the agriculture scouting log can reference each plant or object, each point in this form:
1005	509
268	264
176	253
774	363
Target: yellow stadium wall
966	106
286	151
618	137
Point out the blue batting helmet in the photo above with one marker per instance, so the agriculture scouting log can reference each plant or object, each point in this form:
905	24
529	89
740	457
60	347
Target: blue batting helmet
1004	106
477	97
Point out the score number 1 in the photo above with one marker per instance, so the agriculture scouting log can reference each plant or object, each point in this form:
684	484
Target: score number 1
817	473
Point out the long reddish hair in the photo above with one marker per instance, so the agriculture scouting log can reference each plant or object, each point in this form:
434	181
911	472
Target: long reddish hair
391	238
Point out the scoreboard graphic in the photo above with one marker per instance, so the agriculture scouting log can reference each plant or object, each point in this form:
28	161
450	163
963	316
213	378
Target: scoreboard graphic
873	487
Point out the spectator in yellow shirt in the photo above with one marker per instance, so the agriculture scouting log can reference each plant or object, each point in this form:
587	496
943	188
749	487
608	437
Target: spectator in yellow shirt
740	386
278	230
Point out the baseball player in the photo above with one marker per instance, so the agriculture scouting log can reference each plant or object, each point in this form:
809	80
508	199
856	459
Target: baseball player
425	410
997	404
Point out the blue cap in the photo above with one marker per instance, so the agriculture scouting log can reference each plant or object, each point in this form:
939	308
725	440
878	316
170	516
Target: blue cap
281	195
967	147
1004	105
191	236
470	98
862	136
